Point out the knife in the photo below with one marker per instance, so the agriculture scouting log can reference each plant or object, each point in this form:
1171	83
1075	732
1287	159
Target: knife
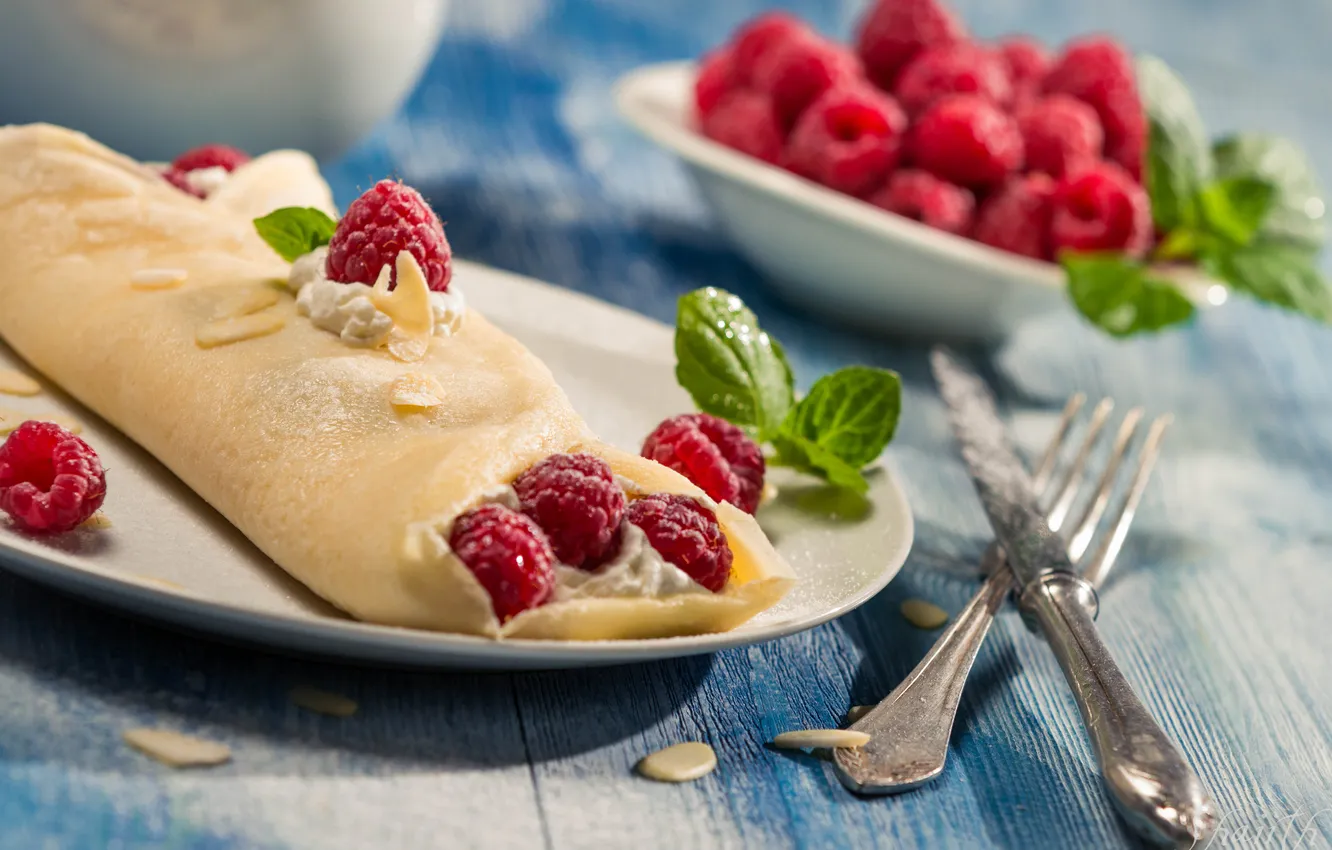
1155	790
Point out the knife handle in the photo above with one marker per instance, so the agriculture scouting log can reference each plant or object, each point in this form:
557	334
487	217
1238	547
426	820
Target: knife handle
1159	795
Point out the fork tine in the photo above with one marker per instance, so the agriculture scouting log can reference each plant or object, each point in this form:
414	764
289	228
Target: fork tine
1068	489
1041	478
1100	565
1086	524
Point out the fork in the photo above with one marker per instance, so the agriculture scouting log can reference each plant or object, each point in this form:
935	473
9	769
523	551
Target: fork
911	727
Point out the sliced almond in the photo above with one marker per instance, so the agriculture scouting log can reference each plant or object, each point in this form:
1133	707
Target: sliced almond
819	738
227	331
243	301
96	522
415	391
923	615
856	712
14	382
679	763
151	280
322	702
408	305
160	582
176	749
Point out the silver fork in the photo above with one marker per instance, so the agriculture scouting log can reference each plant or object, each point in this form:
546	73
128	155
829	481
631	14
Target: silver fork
910	728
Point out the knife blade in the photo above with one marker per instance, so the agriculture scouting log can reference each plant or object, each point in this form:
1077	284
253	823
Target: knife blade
1005	488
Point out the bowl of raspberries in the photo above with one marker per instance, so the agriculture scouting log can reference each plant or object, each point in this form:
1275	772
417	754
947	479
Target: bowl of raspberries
911	178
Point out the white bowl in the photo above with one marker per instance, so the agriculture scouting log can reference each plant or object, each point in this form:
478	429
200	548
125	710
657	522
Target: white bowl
831	253
155	77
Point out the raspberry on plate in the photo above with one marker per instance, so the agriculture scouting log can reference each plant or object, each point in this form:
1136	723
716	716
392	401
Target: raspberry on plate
686	534
1101	208
966	139
1060	134
848	140
714	454
745	120
211	156
1099	72
50	480
753	41
894	31
1016	218
1027	61
388	218
509	556
921	196
960	68
577	503
797	71
716	78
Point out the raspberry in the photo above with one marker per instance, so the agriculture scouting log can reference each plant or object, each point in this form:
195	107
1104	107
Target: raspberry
894	31
575	500
714	454
509	556
925	198
965	139
388	218
797	71
745	120
752	42
716	77
1059	135
1099	72
1101	208
211	156
1026	60
961	68
50	480
686	534
848	140
1016	218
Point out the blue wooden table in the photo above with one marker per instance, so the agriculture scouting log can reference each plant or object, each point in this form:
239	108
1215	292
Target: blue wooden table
1218	614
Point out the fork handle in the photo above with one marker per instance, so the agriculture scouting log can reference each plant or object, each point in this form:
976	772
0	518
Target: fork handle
1157	792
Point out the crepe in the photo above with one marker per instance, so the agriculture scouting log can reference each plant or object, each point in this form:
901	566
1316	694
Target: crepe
289	433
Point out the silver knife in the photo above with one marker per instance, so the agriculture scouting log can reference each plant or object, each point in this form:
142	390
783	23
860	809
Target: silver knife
1154	788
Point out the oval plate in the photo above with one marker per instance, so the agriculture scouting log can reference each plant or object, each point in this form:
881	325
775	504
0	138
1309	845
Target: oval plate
168	556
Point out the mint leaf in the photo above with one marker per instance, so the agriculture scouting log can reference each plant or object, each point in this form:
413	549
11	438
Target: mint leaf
1297	214
1179	158
811	458
1284	275
1234	207
294	231
851	413
1117	295
729	366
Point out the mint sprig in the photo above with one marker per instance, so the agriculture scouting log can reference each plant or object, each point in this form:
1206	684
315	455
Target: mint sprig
295	231
733	369
1121	296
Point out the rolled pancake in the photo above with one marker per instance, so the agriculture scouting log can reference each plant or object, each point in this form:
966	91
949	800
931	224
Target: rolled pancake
291	435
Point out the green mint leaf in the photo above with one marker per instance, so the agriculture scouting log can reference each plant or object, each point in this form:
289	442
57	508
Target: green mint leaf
294	231
811	458
1234	207
729	366
1179	158
1284	275
1117	295
1297	214
851	413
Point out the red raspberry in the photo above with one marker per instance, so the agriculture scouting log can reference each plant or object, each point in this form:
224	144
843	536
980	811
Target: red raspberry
1016	218
50	480
211	156
508	554
685	534
894	31
714	454
1099	72
961	68
966	139
1060	135
1101	208
388	218
745	120
1027	61
575	500
848	140
716	78
799	70
925	198
753	41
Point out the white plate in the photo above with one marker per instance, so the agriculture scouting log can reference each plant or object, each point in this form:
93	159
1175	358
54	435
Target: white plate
834	254
618	369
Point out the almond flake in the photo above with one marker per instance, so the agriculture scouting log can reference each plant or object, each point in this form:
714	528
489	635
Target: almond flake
176	749
96	522
14	382
408	305
680	763
238	329
244	301
415	391
322	702
160	582
150	280
923	615
818	738
856	712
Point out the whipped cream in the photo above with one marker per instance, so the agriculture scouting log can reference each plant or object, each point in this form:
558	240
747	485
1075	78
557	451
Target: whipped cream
205	181
346	309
